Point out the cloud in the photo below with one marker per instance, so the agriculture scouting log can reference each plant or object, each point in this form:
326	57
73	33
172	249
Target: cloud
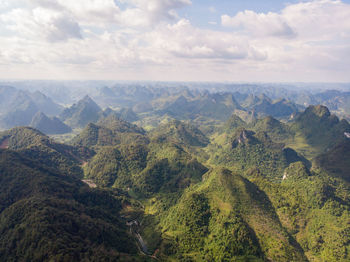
41	23
186	41
107	38
270	24
160	9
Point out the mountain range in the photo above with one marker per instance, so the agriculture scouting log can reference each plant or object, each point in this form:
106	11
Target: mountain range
178	174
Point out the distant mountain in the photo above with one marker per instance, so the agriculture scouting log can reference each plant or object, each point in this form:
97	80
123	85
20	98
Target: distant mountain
19	112
49	125
180	132
263	105
110	131
80	114
217	106
45	104
18	107
117	124
128	114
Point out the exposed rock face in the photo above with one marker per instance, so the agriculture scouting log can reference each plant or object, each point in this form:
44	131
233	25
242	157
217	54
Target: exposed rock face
244	137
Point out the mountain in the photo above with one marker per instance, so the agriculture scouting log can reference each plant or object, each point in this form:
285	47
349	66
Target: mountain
264	106
246	149
45	104
145	169
180	132
47	216
80	114
317	130
49	125
128	114
18	107
35	145
275	129
226	217
313	207
217	106
336	160
110	131
18	111
117	124
233	123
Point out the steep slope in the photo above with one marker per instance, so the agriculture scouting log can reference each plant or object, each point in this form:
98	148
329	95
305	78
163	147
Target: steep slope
227	218
49	125
18	107
145	169
317	131
314	208
216	106
233	123
180	132
276	130
35	145
45	104
19	110
128	114
110	131
264	106
81	113
45	216
246	149
336	161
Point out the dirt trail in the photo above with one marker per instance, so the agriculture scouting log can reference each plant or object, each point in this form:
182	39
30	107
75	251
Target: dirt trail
90	183
5	143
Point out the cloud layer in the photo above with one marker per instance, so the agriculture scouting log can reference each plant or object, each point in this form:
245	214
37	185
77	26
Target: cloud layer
148	39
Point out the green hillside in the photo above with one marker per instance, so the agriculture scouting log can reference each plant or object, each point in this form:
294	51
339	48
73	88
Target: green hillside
180	132
37	146
45	216
110	131
336	161
226	217
317	130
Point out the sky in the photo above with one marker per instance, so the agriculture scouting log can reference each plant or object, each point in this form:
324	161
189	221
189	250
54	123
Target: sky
176	40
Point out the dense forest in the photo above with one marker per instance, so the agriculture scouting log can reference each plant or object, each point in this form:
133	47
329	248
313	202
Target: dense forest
161	174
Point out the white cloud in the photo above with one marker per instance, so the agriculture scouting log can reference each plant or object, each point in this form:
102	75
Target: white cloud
145	39
270	24
41	23
160	9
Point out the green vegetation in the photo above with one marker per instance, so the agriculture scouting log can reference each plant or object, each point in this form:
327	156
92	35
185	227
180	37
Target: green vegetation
242	190
45	216
315	209
110	131
37	146
179	132
336	160
317	131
